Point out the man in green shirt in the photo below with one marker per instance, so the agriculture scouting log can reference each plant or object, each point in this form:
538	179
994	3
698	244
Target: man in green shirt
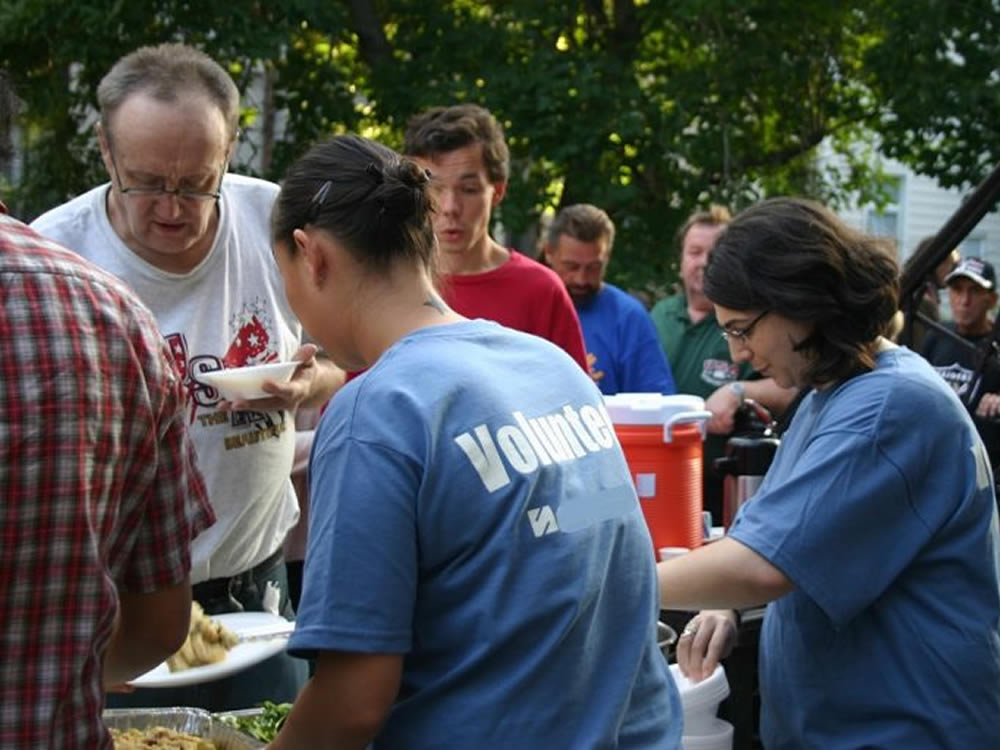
699	355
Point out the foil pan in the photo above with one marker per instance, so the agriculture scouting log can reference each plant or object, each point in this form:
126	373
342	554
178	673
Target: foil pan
194	721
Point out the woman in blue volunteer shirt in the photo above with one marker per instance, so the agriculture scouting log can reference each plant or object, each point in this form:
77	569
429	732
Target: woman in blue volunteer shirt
478	572
874	533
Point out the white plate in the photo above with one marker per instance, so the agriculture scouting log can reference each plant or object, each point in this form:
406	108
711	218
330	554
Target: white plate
240	657
245	383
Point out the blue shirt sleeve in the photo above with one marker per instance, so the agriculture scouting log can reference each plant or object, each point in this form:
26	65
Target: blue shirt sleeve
646	364
361	509
643	362
841	525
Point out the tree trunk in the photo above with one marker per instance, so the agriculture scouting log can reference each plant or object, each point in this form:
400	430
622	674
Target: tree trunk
375	48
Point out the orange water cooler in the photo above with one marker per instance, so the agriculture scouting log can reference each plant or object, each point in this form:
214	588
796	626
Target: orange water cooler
662	438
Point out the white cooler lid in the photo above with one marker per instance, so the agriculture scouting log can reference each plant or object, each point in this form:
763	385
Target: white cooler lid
655	408
650	408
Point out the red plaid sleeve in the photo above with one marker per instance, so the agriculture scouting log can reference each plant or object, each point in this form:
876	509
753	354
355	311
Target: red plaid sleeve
98	482
169	505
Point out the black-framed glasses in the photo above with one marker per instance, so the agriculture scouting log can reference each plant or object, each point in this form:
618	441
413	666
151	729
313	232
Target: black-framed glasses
742	334
181	193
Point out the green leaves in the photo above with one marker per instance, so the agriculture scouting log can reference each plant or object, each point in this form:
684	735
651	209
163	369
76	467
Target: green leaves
648	109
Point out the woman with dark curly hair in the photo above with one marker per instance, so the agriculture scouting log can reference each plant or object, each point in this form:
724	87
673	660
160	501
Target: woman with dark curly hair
874	534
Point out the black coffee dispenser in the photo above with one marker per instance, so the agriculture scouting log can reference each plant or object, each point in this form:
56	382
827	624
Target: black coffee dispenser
748	455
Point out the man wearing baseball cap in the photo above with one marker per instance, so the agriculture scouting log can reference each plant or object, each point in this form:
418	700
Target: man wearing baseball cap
977	270
972	292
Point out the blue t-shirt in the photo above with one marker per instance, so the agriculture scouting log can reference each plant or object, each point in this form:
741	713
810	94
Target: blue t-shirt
471	508
625	354
879	507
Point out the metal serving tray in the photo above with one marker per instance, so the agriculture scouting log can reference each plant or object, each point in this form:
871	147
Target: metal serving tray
194	721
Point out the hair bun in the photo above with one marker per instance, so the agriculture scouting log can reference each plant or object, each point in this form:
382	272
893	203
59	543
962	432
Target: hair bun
403	192
375	171
410	173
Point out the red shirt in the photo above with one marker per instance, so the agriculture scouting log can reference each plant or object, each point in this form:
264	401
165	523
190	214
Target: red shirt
98	483
521	294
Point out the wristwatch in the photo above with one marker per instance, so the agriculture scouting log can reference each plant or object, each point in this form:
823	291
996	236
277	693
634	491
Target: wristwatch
739	389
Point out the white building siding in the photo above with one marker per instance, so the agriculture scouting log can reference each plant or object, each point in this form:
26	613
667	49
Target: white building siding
923	209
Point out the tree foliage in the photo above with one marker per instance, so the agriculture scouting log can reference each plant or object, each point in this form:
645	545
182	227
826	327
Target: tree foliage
646	107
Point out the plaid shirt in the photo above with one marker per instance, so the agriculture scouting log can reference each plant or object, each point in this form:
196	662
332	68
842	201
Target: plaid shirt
98	483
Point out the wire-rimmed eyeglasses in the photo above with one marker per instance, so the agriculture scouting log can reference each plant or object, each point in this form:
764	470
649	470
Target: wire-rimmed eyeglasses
182	193
742	334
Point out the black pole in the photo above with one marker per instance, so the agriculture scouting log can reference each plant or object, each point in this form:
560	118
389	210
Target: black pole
920	267
956	229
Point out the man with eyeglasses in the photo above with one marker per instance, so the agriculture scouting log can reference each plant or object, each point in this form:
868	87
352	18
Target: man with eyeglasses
192	240
700	354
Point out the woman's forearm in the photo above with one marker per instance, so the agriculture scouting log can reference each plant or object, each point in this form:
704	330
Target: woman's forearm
722	575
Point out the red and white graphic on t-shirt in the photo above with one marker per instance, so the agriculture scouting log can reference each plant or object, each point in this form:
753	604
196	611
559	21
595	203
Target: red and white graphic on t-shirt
251	346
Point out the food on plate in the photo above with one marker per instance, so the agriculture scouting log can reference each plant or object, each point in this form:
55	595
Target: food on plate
207	642
158	737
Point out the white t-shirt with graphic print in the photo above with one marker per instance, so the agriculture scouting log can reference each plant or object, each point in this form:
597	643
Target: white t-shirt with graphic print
228	311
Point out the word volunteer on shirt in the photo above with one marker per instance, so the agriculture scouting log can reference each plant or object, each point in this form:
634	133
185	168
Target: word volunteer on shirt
562	436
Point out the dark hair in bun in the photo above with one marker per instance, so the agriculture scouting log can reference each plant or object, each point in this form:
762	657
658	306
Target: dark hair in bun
372	200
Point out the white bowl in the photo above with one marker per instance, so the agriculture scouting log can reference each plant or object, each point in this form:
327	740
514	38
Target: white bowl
244	383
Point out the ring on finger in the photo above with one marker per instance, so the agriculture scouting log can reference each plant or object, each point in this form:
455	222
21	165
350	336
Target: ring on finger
690	629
